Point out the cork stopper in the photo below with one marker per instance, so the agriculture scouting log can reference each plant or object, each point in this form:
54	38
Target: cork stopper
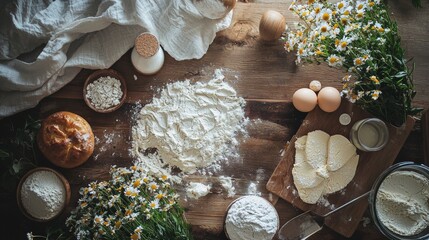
146	45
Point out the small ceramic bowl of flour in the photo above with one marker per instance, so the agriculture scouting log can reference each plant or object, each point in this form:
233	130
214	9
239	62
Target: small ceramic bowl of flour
251	217
399	202
105	91
43	194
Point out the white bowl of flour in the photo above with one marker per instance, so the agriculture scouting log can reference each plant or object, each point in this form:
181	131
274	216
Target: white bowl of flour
43	194
251	217
399	202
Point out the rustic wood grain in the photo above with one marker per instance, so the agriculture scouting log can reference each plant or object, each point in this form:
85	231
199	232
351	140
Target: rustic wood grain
371	165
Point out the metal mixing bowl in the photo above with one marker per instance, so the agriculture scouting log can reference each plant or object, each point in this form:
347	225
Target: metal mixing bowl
403	166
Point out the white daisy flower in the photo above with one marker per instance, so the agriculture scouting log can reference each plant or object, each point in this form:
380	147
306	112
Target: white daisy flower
325	14
335	61
343	43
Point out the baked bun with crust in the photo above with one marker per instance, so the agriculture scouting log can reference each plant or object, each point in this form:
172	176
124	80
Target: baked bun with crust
66	139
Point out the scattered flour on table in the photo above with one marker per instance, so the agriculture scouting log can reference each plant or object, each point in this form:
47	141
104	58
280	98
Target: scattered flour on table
196	190
104	143
324	202
366	221
226	183
251	217
190	125
43	195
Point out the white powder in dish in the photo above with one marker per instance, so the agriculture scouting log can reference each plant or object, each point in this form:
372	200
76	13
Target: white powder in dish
402	202
190	125
251	217
196	190
104	92
226	183
43	195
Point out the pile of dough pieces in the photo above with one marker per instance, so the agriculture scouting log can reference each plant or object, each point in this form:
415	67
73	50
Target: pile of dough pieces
324	164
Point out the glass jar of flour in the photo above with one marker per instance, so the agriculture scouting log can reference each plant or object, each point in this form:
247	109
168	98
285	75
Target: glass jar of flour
147	55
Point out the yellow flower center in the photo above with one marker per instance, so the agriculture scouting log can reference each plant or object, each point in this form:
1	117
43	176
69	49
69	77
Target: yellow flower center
360	6
347	12
358	61
371	4
310	2
343	44
136	183
325	16
153	186
118	224
324	29
318	52
337	42
159	195
317	10
344	21
333	60
135	236
374	79
359	15
340	5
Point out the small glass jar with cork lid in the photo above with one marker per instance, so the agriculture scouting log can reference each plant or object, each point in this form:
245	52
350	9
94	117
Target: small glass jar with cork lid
147	56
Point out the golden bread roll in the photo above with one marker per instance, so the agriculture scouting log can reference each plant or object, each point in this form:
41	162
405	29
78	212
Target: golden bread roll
66	139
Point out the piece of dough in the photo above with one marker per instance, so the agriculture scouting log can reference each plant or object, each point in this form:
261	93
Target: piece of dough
304	175
342	177
311	195
340	151
316	148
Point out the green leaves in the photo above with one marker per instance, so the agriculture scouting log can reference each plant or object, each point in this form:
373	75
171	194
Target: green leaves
417	3
17	154
3	154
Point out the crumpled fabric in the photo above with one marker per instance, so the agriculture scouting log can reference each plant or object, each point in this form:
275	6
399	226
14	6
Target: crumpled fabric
44	44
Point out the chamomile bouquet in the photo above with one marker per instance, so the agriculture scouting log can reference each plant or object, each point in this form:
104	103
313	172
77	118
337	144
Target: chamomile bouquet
132	205
360	37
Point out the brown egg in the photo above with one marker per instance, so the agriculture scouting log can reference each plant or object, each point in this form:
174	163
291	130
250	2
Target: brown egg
272	25
329	99
304	99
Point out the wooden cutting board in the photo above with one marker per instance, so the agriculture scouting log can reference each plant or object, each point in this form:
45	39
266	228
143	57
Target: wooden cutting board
371	165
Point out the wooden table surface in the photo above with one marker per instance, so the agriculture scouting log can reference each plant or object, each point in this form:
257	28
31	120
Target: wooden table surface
262	73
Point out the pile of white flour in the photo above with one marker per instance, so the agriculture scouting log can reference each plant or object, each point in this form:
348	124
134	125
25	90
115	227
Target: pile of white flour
190	125
43	195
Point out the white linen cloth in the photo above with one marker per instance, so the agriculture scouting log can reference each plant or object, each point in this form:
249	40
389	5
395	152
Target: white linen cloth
90	34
